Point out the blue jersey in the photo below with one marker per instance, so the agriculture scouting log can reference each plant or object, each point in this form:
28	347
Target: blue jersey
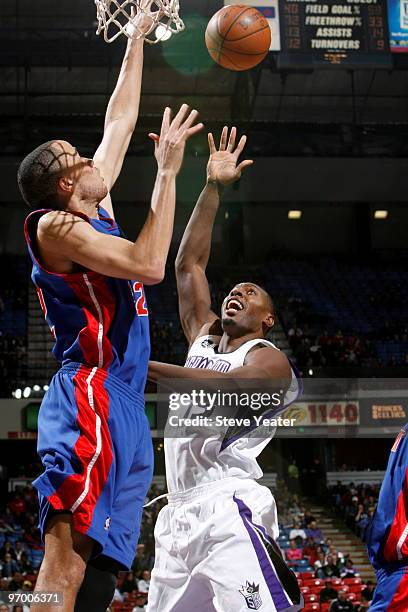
388	532
96	320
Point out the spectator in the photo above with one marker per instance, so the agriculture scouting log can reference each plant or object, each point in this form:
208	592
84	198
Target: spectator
328	592
25	564
368	592
330	569
16	582
348	571
337	555
19	550
140	603
320	561
341	604
297	532
129	584
293	553
7	548
311	551
313	531
144	584
143	559
308	518
10	566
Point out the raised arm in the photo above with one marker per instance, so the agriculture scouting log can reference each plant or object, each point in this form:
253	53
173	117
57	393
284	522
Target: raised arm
121	116
194	252
65	239
263	363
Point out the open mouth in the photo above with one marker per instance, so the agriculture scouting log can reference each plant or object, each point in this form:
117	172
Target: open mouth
233	306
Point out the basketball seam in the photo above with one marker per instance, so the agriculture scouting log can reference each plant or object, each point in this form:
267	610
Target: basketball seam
248	35
213	40
244	52
229	28
247	8
233	63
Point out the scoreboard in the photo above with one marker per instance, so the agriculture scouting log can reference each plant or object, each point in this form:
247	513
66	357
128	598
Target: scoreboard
324	33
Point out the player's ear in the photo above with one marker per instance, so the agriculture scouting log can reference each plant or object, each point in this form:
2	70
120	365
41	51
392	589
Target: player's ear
269	321
66	184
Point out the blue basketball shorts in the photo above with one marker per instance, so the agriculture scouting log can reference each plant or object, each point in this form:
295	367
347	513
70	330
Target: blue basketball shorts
95	445
391	592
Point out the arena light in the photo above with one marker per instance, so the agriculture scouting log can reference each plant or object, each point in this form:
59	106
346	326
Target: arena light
380	214
311	372
36	388
27	392
162	33
295	214
18	394
45	387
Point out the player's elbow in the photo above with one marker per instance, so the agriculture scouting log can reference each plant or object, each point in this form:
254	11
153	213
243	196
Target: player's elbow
154	275
183	265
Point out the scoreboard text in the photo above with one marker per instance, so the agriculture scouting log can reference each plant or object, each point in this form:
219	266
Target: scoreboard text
349	33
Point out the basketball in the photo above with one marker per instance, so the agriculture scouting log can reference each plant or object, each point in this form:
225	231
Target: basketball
238	37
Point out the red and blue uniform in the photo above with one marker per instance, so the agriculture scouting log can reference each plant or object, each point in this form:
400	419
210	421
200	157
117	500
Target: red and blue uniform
388	533
93	435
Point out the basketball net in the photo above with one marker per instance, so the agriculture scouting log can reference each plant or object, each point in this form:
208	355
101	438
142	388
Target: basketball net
153	20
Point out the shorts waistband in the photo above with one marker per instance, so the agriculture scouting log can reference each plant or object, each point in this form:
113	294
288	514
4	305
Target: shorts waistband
109	381
183	497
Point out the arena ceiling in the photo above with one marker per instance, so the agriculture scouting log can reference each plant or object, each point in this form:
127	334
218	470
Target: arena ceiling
55	71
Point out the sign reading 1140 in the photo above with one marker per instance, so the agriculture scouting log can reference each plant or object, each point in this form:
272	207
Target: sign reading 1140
320	33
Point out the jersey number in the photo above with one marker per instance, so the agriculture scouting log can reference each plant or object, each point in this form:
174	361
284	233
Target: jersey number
141	300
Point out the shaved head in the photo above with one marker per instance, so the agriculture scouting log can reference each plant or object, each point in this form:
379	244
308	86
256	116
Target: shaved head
37	175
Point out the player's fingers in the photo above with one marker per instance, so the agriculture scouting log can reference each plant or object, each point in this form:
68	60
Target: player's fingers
193	130
190	120
244	164
240	145
231	141
155	138
179	118
211	144
166	121
223	139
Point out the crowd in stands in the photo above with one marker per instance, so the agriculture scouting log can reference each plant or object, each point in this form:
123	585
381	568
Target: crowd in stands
334	314
327	576
355	504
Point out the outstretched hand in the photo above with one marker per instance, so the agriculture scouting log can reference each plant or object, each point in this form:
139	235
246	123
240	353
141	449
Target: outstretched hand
223	167
170	145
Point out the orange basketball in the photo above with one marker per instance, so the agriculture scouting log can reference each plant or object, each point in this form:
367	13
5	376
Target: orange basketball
238	37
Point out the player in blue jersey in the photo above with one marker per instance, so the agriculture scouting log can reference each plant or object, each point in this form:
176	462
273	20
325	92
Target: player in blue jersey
94	439
388	533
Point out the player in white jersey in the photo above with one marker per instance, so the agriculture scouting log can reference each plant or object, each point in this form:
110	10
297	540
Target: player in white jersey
215	540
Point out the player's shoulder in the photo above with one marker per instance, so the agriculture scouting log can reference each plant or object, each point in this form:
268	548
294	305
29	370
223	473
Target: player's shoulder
56	223
265	352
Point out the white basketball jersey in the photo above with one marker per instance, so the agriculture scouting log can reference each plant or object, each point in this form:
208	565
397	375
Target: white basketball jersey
199	460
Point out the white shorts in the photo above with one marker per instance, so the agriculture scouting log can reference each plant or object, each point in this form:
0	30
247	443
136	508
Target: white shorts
215	552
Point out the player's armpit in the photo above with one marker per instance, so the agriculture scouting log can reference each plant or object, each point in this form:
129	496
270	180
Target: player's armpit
69	237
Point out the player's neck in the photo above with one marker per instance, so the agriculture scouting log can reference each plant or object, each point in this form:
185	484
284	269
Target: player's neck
229	343
87	207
